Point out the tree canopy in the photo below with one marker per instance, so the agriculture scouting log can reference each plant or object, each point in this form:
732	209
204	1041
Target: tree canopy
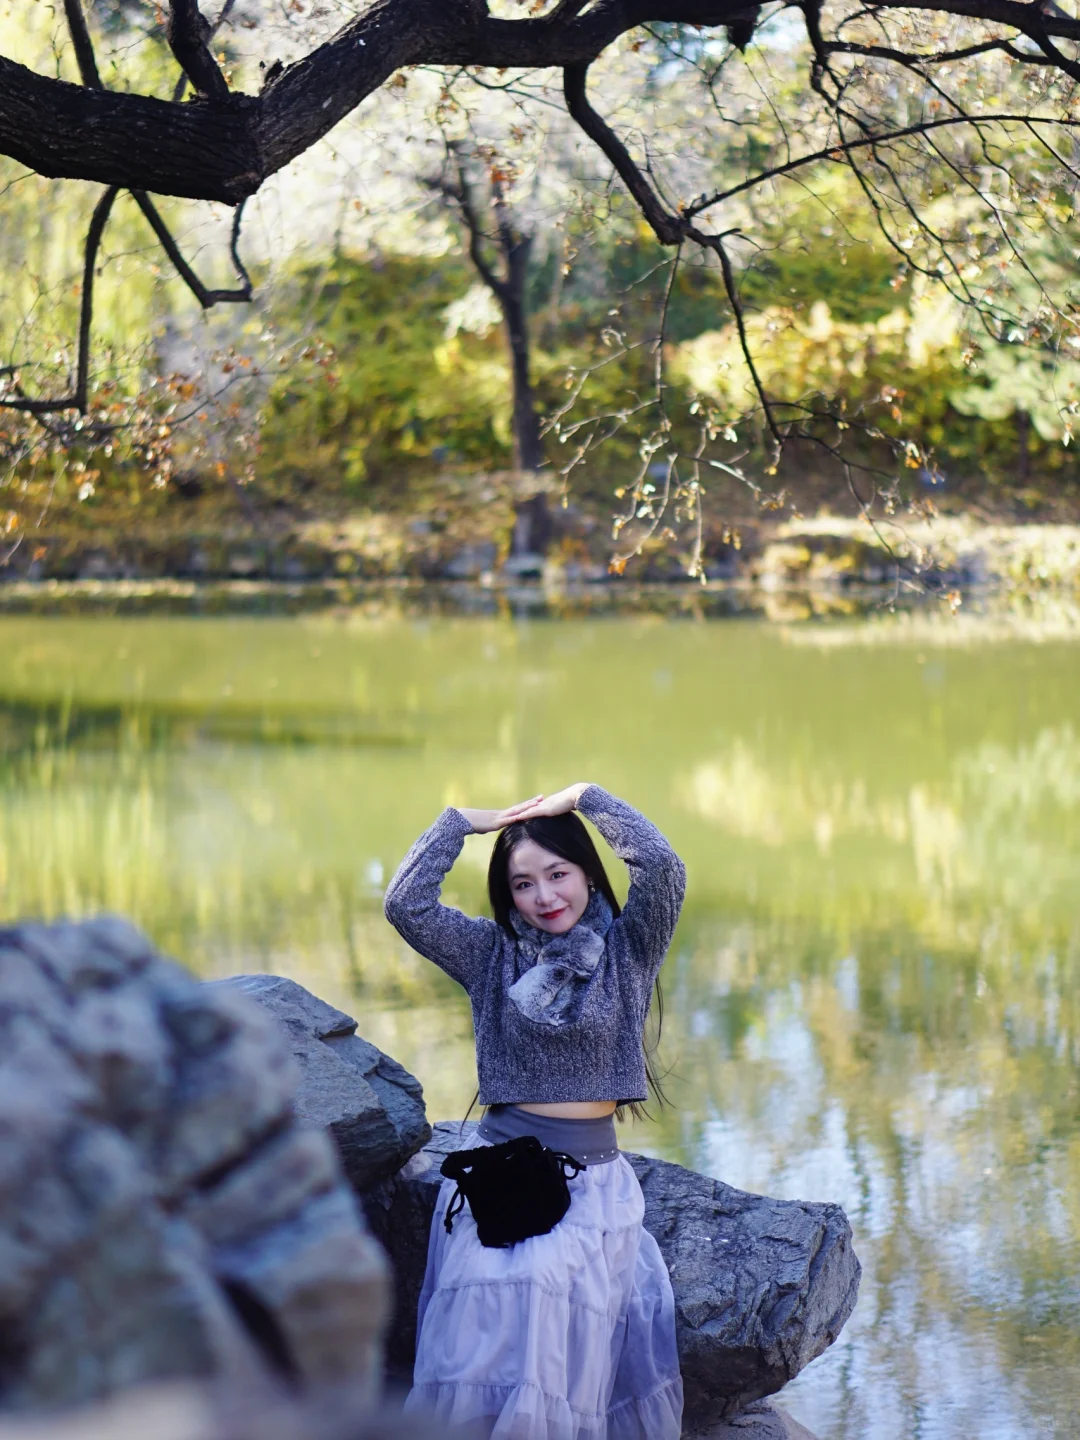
946	130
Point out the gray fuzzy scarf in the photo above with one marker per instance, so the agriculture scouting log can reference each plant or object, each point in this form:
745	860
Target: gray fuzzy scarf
552	988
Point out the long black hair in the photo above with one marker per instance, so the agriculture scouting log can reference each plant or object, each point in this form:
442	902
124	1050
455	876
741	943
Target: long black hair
567	837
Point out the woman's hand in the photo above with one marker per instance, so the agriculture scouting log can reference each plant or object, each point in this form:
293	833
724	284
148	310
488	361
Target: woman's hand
484	821
561	803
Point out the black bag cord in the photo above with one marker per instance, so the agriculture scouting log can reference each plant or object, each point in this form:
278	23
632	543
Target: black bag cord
454	1209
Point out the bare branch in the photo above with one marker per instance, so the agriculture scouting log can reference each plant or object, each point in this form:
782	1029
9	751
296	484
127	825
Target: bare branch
668	228
188	32
77	399
937	57
91	78
716	243
846	147
82	44
205	297
1041	36
461	197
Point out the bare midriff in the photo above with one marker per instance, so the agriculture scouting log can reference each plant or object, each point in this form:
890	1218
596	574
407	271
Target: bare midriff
573	1109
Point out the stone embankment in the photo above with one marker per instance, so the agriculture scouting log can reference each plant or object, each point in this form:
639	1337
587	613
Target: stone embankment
825	555
180	1171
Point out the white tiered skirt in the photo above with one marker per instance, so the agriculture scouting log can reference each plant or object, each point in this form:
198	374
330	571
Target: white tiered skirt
567	1336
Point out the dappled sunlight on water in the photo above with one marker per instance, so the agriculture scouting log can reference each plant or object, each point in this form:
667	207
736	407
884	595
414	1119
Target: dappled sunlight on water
872	996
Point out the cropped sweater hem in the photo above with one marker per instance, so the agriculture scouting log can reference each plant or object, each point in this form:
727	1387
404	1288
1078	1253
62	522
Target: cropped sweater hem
552	1098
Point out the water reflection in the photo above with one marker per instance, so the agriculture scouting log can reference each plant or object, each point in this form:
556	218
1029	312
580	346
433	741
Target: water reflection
873	992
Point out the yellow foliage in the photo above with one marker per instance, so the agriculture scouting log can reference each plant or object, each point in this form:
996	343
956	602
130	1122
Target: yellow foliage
798	353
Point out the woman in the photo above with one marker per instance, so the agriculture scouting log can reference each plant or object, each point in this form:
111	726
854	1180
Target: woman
568	1335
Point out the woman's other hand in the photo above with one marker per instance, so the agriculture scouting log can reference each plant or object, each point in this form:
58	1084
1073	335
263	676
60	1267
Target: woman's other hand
561	803
484	821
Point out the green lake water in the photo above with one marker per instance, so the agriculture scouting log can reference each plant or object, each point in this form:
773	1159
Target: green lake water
872	995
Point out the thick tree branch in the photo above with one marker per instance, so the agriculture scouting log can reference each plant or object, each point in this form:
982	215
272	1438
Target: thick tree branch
1022	15
224	145
132	141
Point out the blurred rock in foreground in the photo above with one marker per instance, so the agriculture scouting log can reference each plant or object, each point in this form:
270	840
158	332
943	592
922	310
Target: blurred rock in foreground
194	1412
372	1106
164	1213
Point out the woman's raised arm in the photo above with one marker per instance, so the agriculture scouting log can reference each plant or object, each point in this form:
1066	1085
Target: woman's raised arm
657	875
459	944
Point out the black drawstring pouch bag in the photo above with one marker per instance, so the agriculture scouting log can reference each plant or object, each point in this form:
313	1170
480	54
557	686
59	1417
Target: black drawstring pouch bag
515	1190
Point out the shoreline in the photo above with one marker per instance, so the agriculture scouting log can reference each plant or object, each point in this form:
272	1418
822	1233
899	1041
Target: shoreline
825	555
820	613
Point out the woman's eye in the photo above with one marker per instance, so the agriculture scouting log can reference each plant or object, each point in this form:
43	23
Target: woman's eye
558	875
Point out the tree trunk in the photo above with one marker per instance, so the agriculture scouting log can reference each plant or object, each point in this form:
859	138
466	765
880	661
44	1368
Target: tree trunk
1023	447
528	448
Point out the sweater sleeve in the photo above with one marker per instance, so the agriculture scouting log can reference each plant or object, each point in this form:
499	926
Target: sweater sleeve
657	875
457	943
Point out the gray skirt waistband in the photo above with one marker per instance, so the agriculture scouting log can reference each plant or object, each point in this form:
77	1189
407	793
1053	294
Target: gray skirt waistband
593	1142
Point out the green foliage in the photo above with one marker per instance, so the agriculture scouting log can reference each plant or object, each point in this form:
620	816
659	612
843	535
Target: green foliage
401	393
858	279
406	392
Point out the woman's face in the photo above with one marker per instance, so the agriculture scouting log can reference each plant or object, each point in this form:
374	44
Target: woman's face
549	892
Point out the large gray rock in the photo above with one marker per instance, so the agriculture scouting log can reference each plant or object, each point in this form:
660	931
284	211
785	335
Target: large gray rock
761	1286
760	1421
372	1106
163	1211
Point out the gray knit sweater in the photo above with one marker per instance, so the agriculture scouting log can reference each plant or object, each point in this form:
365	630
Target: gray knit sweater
556	1018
